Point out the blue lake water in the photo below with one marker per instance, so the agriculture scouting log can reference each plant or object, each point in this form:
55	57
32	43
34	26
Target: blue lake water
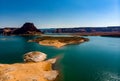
96	60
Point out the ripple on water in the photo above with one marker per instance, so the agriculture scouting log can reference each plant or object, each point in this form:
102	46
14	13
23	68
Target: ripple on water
108	76
3	39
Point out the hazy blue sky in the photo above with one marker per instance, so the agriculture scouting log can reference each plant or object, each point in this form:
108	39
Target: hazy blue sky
60	13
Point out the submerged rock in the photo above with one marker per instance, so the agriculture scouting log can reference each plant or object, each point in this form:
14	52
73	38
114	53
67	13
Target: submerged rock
34	56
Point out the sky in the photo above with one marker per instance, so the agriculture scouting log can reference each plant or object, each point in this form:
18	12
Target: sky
60	13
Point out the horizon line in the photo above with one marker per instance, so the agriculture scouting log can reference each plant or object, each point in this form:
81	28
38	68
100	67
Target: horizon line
66	27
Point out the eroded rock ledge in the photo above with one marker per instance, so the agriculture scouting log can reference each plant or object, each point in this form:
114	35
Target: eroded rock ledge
59	41
34	69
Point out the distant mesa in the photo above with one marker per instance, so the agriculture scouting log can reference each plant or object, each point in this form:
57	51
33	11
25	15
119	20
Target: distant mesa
27	29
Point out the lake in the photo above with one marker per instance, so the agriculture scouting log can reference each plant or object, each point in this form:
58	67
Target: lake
96	60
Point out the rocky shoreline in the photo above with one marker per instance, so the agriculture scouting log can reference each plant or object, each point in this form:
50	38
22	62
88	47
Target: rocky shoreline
35	68
59	41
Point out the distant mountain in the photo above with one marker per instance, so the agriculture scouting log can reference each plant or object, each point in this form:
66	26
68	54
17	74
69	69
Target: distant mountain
27	28
30	29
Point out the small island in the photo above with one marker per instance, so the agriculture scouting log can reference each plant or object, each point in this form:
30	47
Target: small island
59	41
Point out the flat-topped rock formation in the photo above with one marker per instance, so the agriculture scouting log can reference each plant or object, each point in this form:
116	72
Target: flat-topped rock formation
27	29
39	70
59	41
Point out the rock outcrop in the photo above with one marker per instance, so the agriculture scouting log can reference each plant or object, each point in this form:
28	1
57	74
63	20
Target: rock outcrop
27	29
30	71
34	56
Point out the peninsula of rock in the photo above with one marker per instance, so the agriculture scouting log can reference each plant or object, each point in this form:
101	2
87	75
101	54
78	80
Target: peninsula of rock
35	68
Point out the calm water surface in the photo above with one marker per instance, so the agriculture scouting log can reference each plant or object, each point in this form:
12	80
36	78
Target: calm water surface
96	60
